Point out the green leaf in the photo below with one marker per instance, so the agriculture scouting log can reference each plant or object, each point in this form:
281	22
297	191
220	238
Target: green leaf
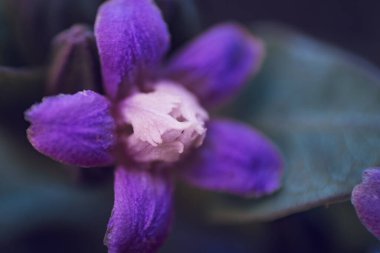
321	106
36	194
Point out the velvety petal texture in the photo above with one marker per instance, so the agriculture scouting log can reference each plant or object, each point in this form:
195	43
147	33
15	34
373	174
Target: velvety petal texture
217	64
131	37
235	159
366	200
73	129
142	212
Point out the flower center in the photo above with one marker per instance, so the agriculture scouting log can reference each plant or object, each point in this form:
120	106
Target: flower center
166	123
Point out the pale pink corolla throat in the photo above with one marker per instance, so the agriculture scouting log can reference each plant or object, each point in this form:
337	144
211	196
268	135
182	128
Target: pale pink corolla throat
166	123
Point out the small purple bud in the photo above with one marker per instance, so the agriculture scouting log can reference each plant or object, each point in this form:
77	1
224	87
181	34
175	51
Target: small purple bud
75	62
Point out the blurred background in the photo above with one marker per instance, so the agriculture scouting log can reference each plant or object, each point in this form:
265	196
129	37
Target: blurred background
348	24
46	207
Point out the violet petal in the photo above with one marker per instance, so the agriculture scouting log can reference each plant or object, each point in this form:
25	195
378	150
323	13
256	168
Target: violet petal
73	129
366	200
236	159
142	211
217	64
132	37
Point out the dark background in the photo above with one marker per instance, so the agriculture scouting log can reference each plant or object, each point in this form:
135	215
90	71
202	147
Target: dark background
350	24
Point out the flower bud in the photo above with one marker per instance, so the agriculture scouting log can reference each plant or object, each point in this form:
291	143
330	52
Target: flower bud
75	62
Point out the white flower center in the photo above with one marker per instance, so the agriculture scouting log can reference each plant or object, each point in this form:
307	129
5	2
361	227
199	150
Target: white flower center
166	123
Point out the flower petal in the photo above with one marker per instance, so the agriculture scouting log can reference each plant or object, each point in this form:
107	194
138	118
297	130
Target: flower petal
131	37
142	211
217	64
366	200
74	129
236	159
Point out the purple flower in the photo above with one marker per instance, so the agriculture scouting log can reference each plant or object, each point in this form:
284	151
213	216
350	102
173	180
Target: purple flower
153	124
366	200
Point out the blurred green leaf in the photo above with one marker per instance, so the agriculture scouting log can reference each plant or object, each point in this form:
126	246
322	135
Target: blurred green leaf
321	106
36	193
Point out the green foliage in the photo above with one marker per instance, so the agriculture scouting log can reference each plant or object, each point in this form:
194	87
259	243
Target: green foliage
36	195
321	106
